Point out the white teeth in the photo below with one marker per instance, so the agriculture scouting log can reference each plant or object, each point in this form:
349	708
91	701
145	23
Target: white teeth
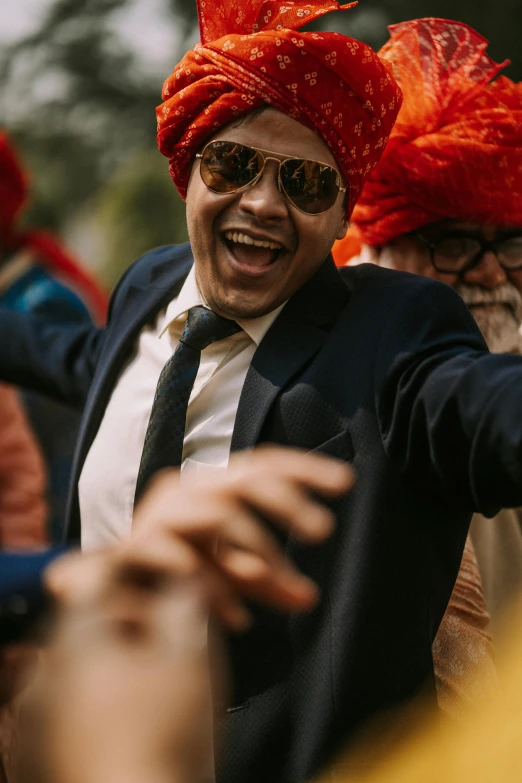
245	239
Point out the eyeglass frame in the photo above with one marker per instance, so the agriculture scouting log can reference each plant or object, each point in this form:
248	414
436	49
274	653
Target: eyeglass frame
266	155
484	247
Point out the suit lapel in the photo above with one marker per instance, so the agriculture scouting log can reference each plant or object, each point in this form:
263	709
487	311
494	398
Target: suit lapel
293	339
141	303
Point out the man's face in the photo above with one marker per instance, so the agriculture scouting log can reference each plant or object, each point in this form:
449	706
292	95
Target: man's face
241	280
493	294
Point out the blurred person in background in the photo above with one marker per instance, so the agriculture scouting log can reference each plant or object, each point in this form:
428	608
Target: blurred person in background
37	275
22	478
22	520
445	202
463	651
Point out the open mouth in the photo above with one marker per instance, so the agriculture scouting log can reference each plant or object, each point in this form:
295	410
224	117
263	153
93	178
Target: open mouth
253	253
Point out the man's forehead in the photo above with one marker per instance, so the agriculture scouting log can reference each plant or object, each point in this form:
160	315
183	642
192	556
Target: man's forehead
270	129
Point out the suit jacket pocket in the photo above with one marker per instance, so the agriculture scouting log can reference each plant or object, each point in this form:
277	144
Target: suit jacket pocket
339	446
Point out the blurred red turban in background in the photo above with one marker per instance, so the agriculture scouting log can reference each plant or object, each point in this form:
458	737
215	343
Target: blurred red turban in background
250	54
456	149
14	190
13	185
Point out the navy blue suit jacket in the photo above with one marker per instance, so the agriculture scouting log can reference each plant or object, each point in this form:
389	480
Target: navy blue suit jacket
382	369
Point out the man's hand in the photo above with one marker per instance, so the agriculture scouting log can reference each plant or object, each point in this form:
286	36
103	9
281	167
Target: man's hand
214	528
222	519
123	692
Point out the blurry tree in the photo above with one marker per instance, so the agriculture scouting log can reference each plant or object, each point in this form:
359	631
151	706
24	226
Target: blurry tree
81	106
74	101
142	188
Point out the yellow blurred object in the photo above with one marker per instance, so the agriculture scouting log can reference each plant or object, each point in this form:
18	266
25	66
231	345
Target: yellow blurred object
485	748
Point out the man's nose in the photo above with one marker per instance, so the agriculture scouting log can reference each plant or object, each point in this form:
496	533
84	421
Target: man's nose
264	199
487	273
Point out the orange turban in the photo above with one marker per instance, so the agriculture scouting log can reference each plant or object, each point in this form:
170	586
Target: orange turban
250	54
456	149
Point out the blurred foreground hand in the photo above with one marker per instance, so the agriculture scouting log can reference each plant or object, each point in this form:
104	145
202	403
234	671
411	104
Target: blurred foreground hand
215	527
123	695
123	692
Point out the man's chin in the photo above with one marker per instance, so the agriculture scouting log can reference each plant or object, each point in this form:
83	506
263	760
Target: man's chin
240	307
500	329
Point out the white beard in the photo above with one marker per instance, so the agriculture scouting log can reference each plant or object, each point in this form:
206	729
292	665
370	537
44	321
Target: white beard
498	314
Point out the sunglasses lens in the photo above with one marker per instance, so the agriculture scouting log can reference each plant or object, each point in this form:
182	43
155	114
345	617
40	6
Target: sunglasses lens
227	167
311	186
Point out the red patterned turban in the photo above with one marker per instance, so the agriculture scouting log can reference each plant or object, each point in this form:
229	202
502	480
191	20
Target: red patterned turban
250	54
456	149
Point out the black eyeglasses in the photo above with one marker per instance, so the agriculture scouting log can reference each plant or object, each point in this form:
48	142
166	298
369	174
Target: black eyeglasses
228	167
456	253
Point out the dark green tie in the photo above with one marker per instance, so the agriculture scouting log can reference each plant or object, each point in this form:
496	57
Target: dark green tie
163	445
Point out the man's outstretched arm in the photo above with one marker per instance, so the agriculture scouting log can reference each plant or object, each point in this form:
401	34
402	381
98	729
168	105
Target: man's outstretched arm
449	411
51	358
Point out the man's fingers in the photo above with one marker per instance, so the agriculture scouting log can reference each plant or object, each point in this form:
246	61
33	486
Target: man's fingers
224	600
286	503
320	473
222	517
275	482
221	520
279	586
161	495
75	577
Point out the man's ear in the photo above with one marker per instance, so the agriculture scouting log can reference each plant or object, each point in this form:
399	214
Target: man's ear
343	228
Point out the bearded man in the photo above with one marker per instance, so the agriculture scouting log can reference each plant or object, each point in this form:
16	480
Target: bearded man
445	203
248	335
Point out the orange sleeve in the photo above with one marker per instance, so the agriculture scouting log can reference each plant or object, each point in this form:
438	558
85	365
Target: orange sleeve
463	654
22	478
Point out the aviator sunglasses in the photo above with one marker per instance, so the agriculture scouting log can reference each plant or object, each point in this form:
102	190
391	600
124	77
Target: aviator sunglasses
227	167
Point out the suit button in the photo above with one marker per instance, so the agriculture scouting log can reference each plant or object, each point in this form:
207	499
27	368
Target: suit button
237	708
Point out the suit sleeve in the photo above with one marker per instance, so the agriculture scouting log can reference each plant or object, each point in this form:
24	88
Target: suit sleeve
48	357
23	600
450	413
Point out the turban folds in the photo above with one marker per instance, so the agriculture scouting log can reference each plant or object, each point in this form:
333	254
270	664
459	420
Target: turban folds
251	54
456	149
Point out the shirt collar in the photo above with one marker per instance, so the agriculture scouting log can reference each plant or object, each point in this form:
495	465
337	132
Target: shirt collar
190	296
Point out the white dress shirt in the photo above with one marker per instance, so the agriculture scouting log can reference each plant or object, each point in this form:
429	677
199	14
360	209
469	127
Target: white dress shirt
108	479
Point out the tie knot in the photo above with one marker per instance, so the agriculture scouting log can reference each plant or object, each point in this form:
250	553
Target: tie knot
204	327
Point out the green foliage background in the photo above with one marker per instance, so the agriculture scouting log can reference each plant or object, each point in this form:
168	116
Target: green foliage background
80	105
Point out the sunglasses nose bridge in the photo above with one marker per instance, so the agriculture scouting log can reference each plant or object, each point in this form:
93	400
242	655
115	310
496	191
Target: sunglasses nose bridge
265	159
